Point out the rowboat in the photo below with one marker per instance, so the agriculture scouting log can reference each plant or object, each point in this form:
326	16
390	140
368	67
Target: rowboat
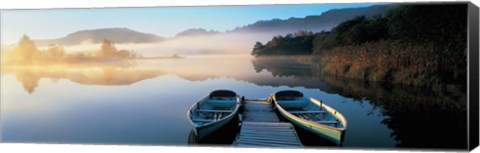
310	114
213	112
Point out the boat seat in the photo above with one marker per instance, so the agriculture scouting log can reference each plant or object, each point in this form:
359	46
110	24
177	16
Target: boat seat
307	112
222	98
221	103
201	120
215	111
327	122
217	116
303	116
295	103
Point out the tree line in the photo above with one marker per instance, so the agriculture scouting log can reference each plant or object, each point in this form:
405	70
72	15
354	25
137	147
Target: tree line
26	52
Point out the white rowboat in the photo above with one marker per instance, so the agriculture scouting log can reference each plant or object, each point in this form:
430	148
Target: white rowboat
213	112
311	115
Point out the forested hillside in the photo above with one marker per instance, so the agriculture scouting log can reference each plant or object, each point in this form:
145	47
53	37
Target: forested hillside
412	44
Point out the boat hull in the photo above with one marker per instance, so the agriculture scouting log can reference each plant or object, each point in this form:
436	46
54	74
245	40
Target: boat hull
334	135
204	131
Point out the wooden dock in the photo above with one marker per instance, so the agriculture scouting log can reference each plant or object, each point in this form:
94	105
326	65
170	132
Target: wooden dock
261	127
259	111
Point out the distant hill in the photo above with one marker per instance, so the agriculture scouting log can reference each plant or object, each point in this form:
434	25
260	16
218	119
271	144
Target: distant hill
196	32
117	35
325	21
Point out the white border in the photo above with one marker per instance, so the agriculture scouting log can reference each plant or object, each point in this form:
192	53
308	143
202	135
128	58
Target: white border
60	148
32	4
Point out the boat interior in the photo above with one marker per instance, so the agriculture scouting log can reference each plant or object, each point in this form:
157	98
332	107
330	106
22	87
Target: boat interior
216	106
294	103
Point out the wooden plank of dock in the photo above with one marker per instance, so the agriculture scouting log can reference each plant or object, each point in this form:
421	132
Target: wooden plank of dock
261	127
259	111
268	134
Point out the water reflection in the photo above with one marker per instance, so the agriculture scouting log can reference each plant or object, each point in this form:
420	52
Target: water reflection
378	115
418	117
109	74
283	66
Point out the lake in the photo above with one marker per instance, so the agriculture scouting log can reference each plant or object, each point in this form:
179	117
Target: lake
145	102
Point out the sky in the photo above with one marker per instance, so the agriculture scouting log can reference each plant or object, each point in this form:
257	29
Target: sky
162	21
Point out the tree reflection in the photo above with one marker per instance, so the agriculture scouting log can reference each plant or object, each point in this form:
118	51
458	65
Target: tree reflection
283	66
418	117
29	80
29	76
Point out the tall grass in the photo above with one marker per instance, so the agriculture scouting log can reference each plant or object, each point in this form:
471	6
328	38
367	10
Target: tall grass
390	61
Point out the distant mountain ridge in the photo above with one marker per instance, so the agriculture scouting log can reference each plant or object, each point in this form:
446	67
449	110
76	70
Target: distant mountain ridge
196	32
325	21
117	35
315	23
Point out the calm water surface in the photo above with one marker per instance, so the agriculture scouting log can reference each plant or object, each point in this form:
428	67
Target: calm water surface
145	102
